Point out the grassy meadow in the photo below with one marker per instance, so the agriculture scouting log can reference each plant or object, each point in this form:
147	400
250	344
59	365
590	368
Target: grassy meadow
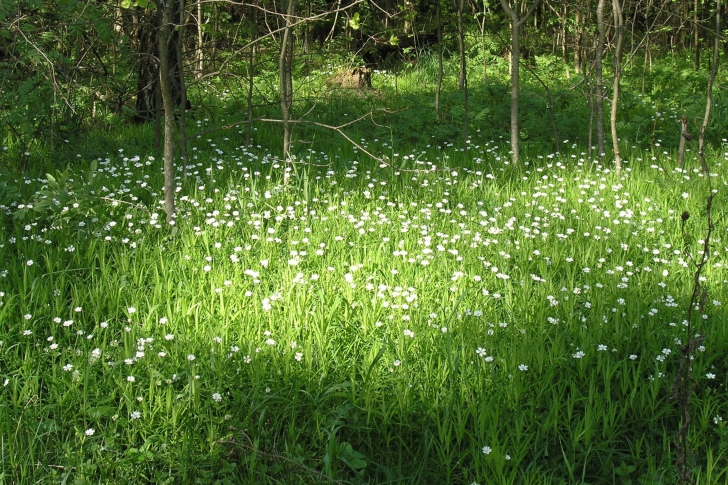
442	318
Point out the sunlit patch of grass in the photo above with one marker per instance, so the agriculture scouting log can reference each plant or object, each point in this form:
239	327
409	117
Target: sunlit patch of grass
445	319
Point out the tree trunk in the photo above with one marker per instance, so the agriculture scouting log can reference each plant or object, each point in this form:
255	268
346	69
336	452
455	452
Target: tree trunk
461	45
484	48
147	65
165	84
619	42
516	23
684	136
515	89
438	88
696	34
251	75
600	78
182	85
200	38
709	93
463	76
579	20
286	84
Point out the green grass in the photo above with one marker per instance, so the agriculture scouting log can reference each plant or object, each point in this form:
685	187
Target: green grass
446	319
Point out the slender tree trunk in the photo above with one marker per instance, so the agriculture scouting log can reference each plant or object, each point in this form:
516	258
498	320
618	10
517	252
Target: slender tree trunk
684	136
461	45
463	76
579	20
516	23
483	47
286	84
696	34
438	89
600	78
709	93
251	76
164	35
157	118
647	44
200	39
515	89
619	42
182	85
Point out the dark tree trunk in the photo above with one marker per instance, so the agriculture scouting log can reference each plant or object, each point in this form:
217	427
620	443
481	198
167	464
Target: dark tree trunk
147	64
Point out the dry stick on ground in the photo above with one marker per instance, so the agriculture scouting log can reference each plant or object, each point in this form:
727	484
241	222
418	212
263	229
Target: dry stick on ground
384	161
250	447
684	383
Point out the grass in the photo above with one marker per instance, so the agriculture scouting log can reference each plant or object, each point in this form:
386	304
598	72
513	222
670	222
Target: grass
446	319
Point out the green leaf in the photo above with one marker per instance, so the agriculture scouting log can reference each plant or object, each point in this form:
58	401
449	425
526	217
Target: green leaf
352	458
393	40
354	21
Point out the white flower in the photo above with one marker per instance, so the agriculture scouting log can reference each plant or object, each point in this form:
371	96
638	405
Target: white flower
523	367
710	375
29	262
578	355
298	356
130	378
90	432
217	397
487	450
481	351
190	357
131	310
136	415
270	341
397	363
602	347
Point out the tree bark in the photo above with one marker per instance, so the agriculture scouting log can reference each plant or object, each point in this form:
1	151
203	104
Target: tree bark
182	85
286	84
165	84
684	136
251	75
516	23
463	77
709	93
438	88
619	42
600	78
199	55
696	34
461	45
